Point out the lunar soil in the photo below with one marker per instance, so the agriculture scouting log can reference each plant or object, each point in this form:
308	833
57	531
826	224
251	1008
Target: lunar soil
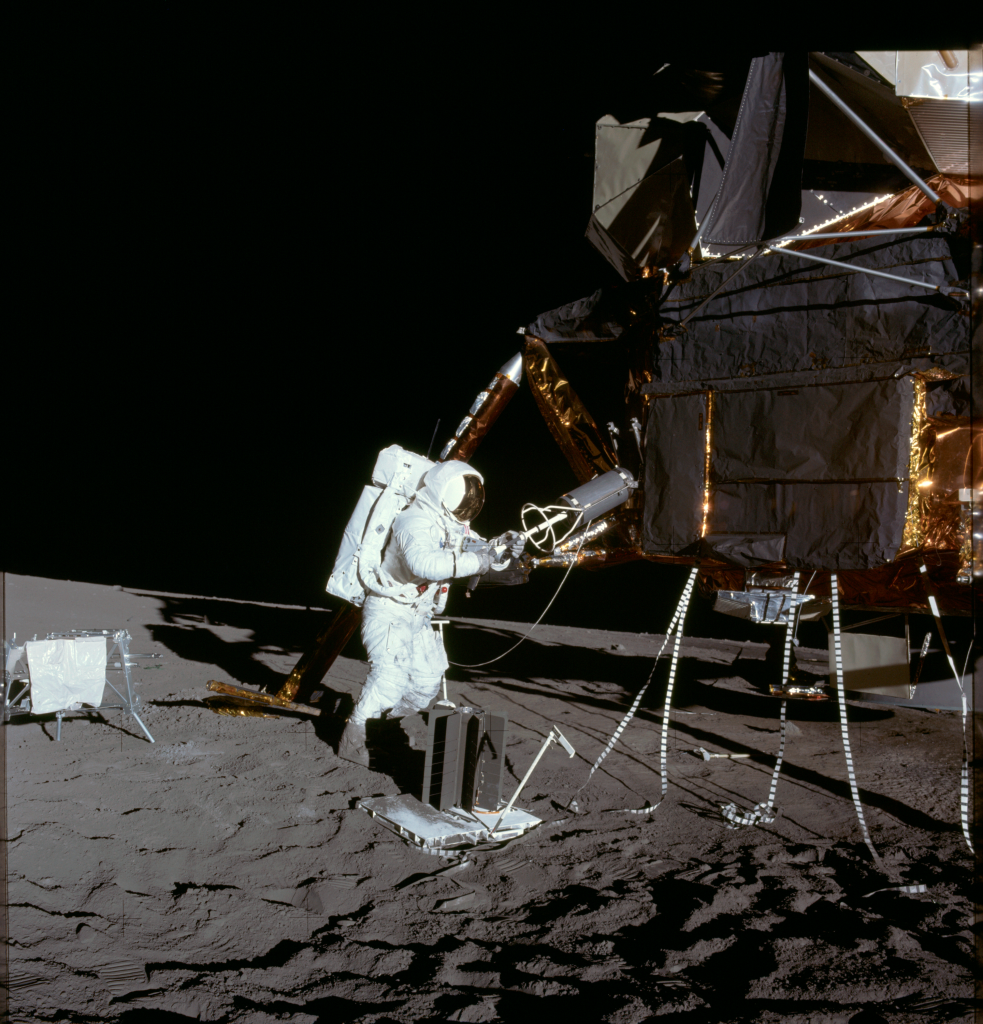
225	874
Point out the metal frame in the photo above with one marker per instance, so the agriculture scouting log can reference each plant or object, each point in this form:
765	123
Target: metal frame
857	234
872	135
941	288
121	643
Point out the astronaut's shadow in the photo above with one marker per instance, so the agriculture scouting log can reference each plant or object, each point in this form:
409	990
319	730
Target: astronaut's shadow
390	752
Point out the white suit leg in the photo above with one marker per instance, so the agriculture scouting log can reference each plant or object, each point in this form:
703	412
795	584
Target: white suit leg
405	660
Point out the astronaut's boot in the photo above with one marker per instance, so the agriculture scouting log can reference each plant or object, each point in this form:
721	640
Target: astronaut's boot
352	746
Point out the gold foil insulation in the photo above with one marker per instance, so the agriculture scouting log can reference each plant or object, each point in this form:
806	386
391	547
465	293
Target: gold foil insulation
315	663
945	456
572	426
479	420
706	466
587	534
239	696
918	463
235	706
588	558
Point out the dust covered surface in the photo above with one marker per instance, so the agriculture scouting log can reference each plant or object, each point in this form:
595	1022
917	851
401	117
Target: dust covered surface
224	873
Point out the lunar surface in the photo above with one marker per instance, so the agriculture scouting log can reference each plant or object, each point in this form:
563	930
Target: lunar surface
225	873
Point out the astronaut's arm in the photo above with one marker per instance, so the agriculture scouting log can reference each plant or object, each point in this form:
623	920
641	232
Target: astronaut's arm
430	562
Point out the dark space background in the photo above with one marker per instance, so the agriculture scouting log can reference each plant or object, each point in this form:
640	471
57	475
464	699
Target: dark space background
254	261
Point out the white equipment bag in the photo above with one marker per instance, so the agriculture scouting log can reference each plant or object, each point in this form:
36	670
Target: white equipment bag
66	673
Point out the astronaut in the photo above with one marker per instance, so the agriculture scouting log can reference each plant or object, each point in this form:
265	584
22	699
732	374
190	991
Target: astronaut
406	658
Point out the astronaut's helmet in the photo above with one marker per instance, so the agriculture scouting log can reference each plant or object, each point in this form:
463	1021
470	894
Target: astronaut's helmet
456	489
464	496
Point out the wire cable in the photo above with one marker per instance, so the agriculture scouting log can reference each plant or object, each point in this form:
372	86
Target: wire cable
674	632
481	664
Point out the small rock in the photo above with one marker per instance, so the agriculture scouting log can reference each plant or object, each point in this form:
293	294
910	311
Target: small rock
810	855
617	647
117	587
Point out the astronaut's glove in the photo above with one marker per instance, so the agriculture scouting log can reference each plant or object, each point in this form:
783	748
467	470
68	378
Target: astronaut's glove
513	540
487	560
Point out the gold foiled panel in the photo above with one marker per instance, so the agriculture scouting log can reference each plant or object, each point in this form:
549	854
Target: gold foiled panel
946	456
568	420
905	209
238	708
918	470
481	423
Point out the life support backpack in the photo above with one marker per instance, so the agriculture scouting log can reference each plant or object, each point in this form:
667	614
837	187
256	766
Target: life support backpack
358	572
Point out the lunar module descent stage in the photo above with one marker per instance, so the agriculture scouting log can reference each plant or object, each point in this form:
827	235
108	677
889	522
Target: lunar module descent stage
792	336
792	343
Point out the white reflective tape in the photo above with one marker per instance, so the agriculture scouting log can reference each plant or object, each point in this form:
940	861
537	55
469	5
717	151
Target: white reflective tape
910	889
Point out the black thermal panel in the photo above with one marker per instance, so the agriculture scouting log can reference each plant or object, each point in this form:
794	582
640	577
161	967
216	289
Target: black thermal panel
465	758
484	787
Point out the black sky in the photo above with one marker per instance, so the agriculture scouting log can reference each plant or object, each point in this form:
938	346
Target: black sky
250	268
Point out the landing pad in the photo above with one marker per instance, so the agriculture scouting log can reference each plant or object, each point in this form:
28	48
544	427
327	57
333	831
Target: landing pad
424	826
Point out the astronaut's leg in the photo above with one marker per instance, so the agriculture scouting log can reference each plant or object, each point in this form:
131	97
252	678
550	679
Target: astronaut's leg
406	661
384	685
427	664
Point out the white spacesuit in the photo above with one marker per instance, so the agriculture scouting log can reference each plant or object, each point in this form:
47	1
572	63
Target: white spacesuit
406	659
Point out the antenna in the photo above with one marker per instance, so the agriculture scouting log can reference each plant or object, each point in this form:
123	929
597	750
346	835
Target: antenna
432	439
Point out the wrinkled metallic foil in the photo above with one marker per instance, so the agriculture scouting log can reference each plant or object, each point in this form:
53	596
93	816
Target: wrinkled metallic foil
905	209
942	463
757	578
240	694
572	426
589	558
798	691
233	706
767	606
918	471
938	373
706	465
318	659
899	587
588	533
497	395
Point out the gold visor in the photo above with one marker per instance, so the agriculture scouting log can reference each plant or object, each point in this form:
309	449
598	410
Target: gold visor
474	498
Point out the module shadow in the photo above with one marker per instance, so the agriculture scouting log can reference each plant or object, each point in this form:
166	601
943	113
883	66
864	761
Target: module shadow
185	632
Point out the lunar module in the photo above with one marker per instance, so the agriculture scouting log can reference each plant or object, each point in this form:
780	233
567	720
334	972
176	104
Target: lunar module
789	352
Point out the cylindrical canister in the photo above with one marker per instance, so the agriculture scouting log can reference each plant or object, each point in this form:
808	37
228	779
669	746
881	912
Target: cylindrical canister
600	495
485	409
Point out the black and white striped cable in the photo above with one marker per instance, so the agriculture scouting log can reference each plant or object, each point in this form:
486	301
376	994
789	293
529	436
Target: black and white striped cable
676	632
964	774
841	695
765	812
